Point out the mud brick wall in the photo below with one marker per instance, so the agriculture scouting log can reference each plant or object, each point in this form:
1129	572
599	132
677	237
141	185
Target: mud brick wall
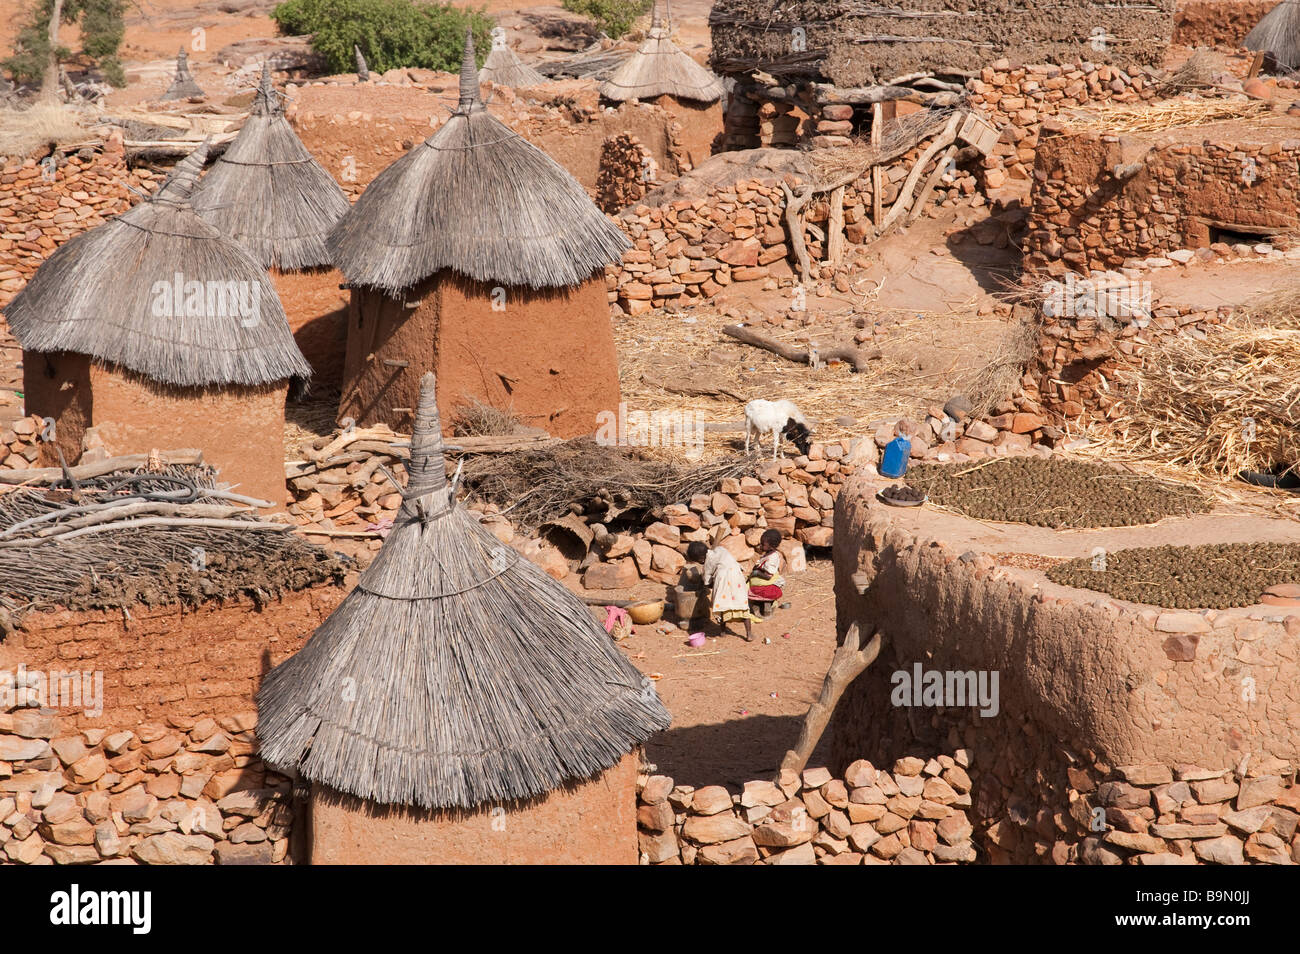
1083	218
1102	704
1222	23
912	815
355	145
167	772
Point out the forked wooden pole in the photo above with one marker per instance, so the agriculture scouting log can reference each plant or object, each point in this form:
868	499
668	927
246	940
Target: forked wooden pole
849	662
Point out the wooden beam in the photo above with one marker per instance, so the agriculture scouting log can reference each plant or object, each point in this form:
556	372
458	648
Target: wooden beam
877	181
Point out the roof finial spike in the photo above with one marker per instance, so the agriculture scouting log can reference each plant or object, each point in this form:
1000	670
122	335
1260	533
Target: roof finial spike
468	75
265	100
185	174
426	470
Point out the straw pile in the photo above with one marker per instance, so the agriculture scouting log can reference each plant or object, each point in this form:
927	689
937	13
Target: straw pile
473	677
99	294
268	193
1219	406
479	199
660	68
1167	114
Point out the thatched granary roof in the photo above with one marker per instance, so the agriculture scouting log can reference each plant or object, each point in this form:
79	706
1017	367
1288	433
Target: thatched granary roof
1278	33
659	68
479	199
159	291
183	85
854	43
268	193
457	673
504	68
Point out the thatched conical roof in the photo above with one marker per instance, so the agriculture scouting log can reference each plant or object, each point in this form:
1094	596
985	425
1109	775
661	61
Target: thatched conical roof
659	68
479	199
1278	33
125	293
457	673
268	193
183	85
504	68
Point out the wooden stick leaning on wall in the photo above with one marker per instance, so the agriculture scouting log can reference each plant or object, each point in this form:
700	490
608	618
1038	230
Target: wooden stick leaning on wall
850	660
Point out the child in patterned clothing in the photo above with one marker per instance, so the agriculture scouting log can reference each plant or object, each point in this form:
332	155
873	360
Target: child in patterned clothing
765	582
726	580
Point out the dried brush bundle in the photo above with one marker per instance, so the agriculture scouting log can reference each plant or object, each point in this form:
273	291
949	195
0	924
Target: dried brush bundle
1217	406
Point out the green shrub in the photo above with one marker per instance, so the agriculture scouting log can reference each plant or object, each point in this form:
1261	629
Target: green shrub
612	17
391	33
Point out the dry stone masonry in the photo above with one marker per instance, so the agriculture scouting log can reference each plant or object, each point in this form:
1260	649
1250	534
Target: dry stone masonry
914	814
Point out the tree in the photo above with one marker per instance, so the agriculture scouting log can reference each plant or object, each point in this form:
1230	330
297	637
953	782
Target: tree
390	33
36	54
612	17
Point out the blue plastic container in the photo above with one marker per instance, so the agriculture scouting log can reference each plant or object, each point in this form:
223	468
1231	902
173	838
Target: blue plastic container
894	461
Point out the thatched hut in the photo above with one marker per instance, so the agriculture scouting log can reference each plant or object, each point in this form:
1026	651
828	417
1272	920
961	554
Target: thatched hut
161	332
503	68
1278	34
660	68
661	73
851	43
460	705
480	257
183	85
269	195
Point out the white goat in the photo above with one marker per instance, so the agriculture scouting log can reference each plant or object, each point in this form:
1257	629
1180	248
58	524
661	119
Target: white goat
770	417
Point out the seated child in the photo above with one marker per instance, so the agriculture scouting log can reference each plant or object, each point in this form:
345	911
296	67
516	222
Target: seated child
765	580
726	580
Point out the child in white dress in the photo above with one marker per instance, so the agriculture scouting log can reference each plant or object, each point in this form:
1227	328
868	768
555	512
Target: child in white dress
728	589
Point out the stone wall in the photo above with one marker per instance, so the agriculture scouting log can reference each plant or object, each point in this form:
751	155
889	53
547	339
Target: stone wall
42	206
1073	373
690	249
164	769
1018	99
1180	191
915	814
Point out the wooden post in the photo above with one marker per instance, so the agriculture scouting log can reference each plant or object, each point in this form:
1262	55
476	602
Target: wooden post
877	203
849	662
835	227
919	205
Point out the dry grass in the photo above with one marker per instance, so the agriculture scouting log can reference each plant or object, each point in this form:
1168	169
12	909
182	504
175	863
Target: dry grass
475	418
664	347
1167	114
1219	406
31	131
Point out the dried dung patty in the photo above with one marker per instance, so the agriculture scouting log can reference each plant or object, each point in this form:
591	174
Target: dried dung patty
1054	492
1213	576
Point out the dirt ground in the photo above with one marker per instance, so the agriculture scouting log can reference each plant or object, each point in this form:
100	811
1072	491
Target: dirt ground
737	706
